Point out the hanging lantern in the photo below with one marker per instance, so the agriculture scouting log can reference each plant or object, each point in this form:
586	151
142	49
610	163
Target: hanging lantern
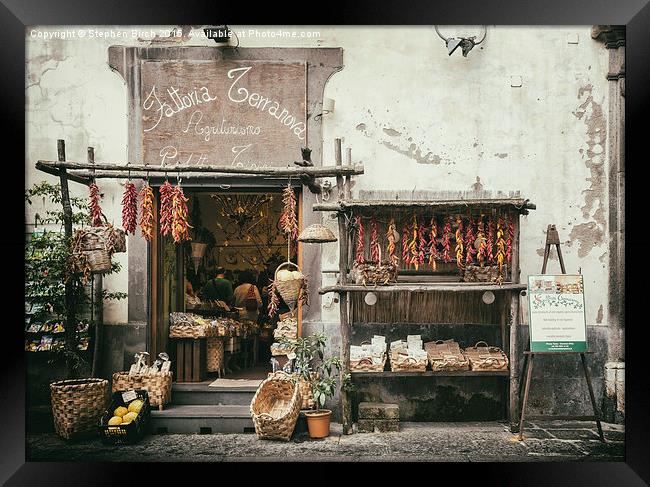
198	251
316	233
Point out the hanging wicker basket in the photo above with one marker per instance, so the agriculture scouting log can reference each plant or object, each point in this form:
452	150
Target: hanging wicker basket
289	289
275	407
316	233
90	251
77	405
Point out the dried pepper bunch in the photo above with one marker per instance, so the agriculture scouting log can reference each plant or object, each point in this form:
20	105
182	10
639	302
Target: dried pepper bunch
359	255
469	242
433	252
413	244
147	220
180	226
390	236
490	240
129	208
482	245
446	241
95	210
274	300
166	208
288	219
406	257
422	244
374	241
459	243
501	247
511	236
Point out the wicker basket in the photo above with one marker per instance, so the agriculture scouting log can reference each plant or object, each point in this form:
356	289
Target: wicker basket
77	405
446	356
117	238
215	357
404	363
158	386
304	387
289	290
373	274
365	364
316	233
486	358
90	249
490	273
275	407
187	331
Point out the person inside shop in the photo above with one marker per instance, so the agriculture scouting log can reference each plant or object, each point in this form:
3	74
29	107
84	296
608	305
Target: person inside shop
191	299
219	288
247	297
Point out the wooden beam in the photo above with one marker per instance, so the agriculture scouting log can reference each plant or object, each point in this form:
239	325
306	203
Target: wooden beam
71	177
313	171
520	204
432	287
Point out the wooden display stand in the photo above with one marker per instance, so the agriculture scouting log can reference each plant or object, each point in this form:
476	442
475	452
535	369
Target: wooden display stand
191	359
553	238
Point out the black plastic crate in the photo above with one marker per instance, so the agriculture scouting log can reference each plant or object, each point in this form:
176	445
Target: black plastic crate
129	433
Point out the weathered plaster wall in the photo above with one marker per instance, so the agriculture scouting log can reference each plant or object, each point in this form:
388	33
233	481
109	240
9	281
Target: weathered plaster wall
526	110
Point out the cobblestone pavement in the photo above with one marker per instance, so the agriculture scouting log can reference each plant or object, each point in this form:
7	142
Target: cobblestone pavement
463	442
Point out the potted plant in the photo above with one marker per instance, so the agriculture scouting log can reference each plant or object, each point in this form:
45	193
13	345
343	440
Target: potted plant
321	375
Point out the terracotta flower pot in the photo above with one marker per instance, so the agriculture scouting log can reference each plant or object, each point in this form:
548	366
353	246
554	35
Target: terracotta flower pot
318	423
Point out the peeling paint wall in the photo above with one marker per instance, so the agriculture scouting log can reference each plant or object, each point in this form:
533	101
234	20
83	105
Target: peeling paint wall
526	110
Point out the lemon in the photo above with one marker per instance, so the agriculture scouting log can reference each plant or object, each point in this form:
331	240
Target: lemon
135	406
129	417
120	411
114	421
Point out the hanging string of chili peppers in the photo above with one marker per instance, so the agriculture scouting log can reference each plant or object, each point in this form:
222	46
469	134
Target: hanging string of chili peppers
490	240
433	252
180	226
359	257
469	242
446	241
147	220
459	243
422	244
501	247
374	241
129	208
406	257
95	209
511	236
288	219
482	245
390	237
413	244
166	208
274	300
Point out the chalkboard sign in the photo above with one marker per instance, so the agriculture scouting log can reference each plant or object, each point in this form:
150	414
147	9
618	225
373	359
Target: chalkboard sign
557	313
239	113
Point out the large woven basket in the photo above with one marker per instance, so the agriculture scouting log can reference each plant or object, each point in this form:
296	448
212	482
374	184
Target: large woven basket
289	290
158	386
316	233
91	249
77	405
215	357
404	363
485	358
365	364
275	407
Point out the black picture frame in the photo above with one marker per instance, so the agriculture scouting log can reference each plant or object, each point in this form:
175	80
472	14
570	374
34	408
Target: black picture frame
15	15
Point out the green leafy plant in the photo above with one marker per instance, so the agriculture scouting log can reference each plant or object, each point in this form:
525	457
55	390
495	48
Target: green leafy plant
312	366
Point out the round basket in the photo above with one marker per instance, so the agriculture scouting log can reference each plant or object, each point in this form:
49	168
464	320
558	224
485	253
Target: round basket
158	385
316	233
77	405
99	260
289	290
275	407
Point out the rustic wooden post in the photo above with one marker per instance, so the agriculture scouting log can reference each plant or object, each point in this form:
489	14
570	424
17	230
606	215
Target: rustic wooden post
515	305
346	412
70	318
98	282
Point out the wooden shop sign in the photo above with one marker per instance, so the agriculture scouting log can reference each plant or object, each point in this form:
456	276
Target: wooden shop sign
556	305
239	113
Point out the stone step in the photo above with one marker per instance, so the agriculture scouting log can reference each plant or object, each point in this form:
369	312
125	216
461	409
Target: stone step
202	419
202	394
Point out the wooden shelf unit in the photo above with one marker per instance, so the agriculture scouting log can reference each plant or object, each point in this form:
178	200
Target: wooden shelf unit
429	373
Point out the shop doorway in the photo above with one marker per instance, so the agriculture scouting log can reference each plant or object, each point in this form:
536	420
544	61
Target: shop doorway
235	232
